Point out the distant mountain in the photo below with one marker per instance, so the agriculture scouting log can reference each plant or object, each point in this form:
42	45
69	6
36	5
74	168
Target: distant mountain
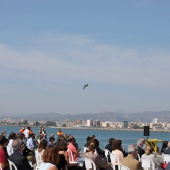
163	116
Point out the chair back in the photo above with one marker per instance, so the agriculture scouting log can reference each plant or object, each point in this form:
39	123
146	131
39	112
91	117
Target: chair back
107	154
115	161
138	157
85	149
123	167
166	158
147	164
89	164
11	165
71	158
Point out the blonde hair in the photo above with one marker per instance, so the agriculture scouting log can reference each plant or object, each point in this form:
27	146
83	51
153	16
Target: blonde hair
149	150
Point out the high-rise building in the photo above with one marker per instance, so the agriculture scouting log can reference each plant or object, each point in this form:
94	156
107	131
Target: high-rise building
89	122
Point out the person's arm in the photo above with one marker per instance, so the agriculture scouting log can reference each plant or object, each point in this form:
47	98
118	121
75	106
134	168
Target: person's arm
53	168
4	165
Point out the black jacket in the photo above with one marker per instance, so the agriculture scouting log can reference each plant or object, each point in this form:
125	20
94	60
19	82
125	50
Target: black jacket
20	161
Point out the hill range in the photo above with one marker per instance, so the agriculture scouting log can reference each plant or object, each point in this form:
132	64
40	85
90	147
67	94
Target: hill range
163	116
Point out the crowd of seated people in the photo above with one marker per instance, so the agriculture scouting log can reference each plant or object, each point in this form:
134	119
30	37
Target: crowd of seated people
50	154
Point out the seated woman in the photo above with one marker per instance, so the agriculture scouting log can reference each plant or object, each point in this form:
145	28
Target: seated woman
50	159
99	151
97	159
117	147
61	146
39	151
150	155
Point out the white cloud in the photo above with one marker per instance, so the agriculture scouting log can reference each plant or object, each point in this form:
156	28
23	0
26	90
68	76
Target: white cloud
56	64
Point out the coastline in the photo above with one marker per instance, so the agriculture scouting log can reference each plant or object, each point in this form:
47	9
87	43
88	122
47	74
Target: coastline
98	128
109	129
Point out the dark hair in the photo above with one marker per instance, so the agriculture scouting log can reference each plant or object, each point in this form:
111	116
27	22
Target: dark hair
96	142
42	144
117	144
2	140
51	155
12	135
88	138
51	138
61	145
72	140
111	140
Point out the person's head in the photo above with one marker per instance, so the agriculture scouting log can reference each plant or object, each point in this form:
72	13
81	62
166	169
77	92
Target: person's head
42	144
117	144
28	128
32	135
61	145
111	141
88	138
96	143
140	142
51	139
42	128
21	136
6	142
149	150
18	145
133	150
92	146
93	137
52	135
59	130
3	133
50	155
12	135
2	140
72	140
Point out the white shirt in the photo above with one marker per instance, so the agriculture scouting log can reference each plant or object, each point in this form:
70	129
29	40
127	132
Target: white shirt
26	133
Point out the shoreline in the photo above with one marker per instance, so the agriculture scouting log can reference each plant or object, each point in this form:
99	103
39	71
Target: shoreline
109	129
98	128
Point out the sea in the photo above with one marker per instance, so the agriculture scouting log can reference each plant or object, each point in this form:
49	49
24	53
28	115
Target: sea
127	137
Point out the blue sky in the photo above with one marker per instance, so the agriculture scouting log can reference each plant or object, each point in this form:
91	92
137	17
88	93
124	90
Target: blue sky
50	49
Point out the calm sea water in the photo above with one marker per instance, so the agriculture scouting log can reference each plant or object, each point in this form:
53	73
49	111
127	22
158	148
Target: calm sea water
102	135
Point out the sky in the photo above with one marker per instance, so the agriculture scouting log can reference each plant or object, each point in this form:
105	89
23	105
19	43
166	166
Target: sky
50	49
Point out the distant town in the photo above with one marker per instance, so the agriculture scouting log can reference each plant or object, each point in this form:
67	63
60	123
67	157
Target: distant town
155	124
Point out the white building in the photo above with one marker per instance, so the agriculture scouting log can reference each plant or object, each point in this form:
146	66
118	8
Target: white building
155	120
89	122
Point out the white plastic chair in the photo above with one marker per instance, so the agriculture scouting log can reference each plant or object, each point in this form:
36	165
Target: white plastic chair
107	154
85	149
166	158
147	164
138	157
123	167
89	164
71	158
11	164
115	161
